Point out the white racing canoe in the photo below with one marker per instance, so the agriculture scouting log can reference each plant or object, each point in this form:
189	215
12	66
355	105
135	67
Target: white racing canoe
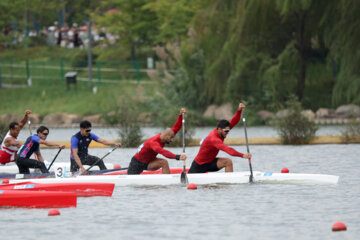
13	168
200	179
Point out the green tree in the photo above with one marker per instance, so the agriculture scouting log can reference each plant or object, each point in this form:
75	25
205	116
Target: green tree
174	17
136	24
28	13
343	38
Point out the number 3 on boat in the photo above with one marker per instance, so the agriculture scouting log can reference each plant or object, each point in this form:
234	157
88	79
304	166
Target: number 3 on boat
60	171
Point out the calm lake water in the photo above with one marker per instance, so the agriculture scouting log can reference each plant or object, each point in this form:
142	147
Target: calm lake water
244	211
65	134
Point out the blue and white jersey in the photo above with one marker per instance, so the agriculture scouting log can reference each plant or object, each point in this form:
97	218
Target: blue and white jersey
81	143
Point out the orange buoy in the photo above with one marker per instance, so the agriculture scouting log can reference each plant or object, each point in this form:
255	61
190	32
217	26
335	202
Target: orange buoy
339	226
192	186
5	181
285	170
53	212
116	166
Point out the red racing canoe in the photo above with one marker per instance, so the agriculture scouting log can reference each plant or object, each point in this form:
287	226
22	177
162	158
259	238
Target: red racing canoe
159	171
80	189
37	199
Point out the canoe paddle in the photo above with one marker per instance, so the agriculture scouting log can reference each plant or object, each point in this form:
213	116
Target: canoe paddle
101	158
183	177
54	159
247	146
29	122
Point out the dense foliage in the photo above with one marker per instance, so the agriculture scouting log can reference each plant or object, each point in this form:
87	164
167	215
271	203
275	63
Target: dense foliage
293	127
126	117
352	131
261	51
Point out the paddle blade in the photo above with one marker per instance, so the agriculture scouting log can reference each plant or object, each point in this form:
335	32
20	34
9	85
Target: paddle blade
183	178
251	172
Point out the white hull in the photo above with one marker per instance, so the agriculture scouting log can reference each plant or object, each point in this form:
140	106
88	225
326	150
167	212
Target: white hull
13	168
205	178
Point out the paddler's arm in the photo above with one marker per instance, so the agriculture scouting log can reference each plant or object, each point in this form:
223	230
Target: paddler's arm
158	149
10	141
78	161
109	142
236	117
229	150
51	144
178	123
25	119
39	156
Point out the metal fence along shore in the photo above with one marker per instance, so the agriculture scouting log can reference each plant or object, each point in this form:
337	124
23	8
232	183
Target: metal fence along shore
20	73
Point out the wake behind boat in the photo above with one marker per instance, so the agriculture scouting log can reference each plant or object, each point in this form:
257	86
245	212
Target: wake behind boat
199	179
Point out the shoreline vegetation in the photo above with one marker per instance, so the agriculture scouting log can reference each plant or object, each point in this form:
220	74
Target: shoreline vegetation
344	114
240	141
294	120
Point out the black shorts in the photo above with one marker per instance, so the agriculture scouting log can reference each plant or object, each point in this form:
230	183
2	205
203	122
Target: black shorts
136	167
87	160
207	167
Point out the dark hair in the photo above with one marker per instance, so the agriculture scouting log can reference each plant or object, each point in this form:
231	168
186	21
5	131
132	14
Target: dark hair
223	124
85	124
41	129
13	125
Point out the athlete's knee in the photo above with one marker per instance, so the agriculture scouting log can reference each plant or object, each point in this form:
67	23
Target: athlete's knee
225	162
164	163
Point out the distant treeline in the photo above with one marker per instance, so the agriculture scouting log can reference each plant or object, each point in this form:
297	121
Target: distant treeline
254	50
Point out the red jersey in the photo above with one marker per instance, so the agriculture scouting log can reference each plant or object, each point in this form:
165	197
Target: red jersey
213	143
148	151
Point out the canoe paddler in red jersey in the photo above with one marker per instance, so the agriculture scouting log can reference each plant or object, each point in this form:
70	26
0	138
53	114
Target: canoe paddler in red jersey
146	155
10	145
206	160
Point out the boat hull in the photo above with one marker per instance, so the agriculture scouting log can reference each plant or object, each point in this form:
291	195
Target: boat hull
37	199
204	178
13	168
80	189
159	171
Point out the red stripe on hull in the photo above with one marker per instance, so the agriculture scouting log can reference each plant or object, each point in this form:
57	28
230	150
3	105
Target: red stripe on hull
37	199
80	189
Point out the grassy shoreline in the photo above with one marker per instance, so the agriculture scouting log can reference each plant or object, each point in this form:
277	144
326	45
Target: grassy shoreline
44	99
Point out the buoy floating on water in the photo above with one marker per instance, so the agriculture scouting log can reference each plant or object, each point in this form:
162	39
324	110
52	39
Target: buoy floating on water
284	170
53	212
192	186
117	166
339	226
5	181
